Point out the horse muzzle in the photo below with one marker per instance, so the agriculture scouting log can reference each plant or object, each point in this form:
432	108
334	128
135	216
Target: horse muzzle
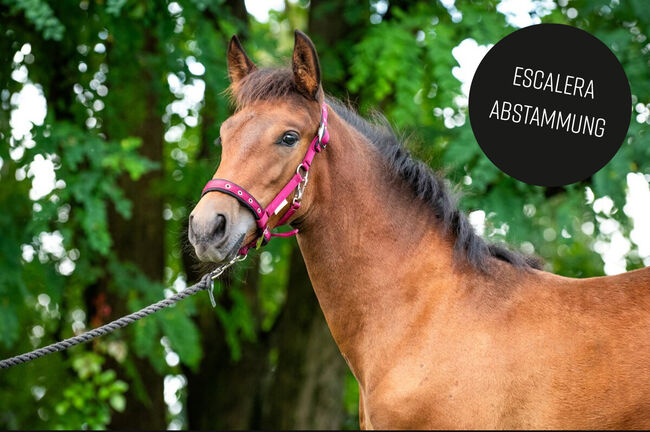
218	226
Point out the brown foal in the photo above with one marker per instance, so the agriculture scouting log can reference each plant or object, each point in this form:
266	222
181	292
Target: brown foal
440	329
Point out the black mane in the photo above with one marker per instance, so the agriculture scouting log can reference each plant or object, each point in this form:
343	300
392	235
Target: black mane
269	84
430	188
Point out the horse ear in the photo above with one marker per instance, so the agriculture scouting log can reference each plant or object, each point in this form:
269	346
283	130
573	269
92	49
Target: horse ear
306	68
239	65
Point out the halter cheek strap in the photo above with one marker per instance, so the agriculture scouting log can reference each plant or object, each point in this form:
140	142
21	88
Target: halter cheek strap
296	185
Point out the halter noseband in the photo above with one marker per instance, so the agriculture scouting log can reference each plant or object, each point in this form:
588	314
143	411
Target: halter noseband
297	183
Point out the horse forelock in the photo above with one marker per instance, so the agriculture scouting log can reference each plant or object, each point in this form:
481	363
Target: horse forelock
263	85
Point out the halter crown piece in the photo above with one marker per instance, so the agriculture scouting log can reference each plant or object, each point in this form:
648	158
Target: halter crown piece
297	184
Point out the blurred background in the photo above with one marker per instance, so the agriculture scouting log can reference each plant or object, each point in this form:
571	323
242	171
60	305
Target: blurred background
109	112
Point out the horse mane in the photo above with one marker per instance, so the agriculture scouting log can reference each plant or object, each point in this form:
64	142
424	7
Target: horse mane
426	185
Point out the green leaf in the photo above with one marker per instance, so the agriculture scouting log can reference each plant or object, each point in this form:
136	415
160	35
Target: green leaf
118	402
131	143
183	336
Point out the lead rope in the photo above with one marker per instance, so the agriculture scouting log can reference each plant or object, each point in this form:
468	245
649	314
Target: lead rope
206	282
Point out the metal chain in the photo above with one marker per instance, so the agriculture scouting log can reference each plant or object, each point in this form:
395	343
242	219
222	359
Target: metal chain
219	271
206	282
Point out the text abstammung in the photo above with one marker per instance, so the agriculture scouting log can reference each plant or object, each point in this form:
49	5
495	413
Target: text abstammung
553	119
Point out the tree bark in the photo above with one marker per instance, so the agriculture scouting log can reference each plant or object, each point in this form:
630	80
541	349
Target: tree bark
335	33
140	240
224	393
306	389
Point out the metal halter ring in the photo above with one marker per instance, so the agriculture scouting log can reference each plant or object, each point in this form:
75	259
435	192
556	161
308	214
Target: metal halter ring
301	165
300	189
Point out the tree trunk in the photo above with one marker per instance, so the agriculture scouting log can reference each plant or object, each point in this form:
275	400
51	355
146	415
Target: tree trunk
306	389
334	32
140	239
223	393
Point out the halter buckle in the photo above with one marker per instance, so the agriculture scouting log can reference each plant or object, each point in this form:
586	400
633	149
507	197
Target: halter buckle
300	189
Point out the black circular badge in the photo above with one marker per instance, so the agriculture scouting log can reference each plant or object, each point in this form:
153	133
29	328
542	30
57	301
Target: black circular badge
550	105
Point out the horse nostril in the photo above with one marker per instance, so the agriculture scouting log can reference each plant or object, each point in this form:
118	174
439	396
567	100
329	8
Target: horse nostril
219	227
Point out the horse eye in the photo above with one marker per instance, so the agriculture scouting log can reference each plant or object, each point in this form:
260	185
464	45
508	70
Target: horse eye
217	142
289	139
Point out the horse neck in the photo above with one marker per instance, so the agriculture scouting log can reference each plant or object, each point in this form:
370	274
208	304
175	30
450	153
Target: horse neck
369	245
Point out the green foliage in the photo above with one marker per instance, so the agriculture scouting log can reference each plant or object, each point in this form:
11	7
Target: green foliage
88	401
174	323
183	337
114	7
237	322
351	401
40	14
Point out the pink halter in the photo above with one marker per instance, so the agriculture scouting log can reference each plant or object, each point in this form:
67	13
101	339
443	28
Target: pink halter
297	183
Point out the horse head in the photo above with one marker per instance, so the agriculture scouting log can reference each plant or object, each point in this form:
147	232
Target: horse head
267	146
